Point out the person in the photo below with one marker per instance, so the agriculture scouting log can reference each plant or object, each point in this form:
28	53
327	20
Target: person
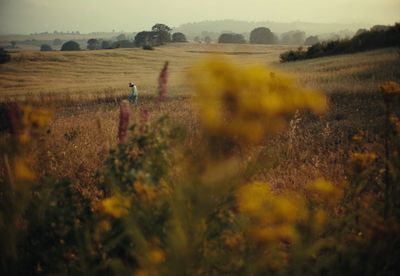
133	98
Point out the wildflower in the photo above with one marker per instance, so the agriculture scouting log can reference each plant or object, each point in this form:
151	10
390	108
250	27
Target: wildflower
23	170
324	191
115	206
157	256
124	116
141	272
274	233
248	102
145	191
104	225
395	122
252	197
390	88
162	82
363	158
35	118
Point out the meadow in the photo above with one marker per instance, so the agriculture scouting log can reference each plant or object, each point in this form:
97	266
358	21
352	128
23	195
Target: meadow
84	90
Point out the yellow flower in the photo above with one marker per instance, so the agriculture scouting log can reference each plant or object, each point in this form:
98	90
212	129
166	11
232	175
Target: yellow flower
115	206
325	191
141	272
248	102
252	197
157	256
23	170
35	117
363	158
275	233
390	87
104	226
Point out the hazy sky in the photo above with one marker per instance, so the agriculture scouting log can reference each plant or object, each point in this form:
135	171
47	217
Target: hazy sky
26	16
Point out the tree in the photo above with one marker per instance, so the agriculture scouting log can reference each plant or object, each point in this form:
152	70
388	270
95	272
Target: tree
197	39
360	31
162	32
93	44
45	48
207	39
145	38
231	38
262	35
121	37
311	40
293	37
178	37
70	46
105	44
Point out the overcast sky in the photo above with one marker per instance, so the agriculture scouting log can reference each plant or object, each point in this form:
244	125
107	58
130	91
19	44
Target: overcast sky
27	16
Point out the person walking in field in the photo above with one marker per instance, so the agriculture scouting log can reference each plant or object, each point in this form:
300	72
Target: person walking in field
134	97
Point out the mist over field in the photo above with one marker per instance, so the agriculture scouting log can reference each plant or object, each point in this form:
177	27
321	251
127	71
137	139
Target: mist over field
29	16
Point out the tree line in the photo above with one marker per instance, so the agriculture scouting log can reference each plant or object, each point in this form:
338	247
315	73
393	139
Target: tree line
160	34
263	35
364	40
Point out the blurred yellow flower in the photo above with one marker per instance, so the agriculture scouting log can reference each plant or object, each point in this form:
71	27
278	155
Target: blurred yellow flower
390	87
363	158
115	206
252	197
275	233
247	102
141	272
157	256
23	170
35	117
325	191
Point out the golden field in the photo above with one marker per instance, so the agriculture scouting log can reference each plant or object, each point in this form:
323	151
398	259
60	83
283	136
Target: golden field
84	87
300	178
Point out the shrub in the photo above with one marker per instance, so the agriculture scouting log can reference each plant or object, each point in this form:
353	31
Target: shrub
4	56
262	35
231	38
147	47
45	48
105	44
178	37
365	40
70	46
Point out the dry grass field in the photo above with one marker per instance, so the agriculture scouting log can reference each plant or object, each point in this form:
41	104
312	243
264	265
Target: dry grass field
84	87
294	201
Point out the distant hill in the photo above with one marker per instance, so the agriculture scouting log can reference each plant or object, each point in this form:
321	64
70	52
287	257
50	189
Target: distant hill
218	26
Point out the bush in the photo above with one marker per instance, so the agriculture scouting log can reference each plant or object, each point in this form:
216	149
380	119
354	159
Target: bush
4	56
147	47
378	37
45	48
178	37
231	38
262	35
105	44
70	46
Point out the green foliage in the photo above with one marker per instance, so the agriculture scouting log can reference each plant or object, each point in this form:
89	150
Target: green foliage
145	38
162	33
262	35
363	41
45	48
70	46
93	44
178	37
231	38
4	56
293	37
